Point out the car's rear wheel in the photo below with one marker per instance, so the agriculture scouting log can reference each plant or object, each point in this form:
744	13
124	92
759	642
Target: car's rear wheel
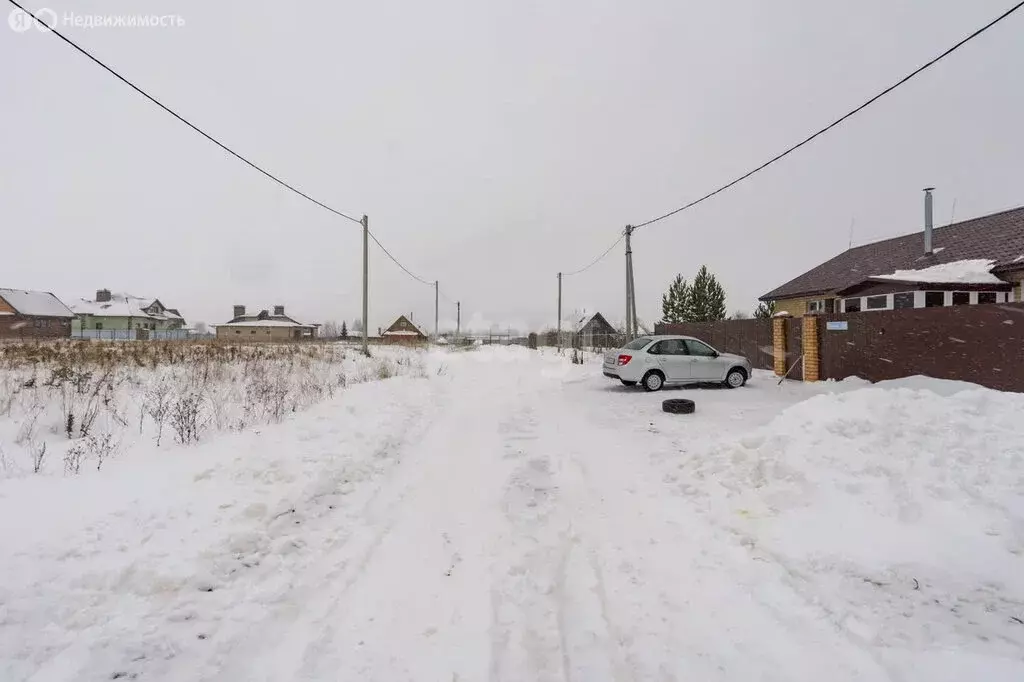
735	378
653	381
627	383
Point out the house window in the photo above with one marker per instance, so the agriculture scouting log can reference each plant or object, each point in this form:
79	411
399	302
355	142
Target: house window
816	306
961	298
934	299
986	297
903	300
253	331
877	302
238	331
99	326
851	305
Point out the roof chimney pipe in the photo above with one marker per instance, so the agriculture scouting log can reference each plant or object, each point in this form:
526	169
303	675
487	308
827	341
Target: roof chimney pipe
928	224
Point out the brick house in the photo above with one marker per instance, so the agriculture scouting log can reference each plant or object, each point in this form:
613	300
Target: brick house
33	315
264	326
403	331
972	262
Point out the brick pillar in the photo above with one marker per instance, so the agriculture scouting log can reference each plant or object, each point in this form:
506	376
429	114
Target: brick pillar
811	348
779	345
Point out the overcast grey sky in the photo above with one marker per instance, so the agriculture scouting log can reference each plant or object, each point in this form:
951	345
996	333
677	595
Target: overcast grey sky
492	145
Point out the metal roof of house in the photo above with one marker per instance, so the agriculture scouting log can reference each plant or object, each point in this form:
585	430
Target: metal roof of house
270	322
597	319
123	305
396	330
35	303
998	237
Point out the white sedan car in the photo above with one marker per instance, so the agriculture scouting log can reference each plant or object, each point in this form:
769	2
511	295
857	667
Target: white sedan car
656	361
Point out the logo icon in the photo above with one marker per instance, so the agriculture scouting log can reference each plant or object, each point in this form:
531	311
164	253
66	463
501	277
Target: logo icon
20	21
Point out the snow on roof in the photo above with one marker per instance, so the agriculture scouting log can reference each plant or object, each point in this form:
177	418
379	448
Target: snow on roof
122	305
38	303
263	323
974	271
402	332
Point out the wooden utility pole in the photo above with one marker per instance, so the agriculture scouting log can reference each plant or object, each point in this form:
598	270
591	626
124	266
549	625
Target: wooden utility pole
436	290
366	282
458	319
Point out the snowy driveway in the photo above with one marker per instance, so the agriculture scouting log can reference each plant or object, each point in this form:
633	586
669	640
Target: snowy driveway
518	518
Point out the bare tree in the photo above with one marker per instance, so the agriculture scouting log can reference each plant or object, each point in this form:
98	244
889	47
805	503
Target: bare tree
330	330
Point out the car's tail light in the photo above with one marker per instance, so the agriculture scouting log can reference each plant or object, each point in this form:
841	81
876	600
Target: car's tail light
624	359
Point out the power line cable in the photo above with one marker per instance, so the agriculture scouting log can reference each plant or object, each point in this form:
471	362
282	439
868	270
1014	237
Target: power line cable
839	120
396	261
206	135
596	260
181	118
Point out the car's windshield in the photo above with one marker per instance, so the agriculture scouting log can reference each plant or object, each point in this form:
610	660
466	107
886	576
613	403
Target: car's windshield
637	344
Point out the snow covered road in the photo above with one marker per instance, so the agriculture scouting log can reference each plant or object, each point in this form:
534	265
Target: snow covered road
520	518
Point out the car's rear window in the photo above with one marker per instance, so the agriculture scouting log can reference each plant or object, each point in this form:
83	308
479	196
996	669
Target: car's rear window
637	344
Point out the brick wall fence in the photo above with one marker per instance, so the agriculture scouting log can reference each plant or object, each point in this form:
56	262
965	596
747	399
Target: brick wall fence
982	344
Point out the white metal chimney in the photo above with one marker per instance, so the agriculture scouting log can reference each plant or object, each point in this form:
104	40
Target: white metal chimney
928	224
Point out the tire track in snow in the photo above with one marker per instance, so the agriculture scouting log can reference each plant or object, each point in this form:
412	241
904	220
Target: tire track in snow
341	562
717	615
420	608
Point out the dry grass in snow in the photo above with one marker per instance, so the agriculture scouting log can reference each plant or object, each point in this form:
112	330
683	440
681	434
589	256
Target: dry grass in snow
70	405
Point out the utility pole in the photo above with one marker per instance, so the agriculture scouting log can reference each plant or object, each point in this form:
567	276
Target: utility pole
630	298
458	319
366	283
559	326
435	307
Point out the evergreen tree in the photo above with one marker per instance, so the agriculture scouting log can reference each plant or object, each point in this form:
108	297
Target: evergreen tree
675	303
706	300
344	330
765	310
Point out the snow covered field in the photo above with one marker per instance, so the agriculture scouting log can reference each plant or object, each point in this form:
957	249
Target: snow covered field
504	515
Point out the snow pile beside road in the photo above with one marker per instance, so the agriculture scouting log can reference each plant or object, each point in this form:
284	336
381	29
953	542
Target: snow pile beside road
900	507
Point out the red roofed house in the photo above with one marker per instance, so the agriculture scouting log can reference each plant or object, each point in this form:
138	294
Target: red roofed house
972	262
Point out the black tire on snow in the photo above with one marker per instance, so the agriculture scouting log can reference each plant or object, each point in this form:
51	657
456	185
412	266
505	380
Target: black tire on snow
678	406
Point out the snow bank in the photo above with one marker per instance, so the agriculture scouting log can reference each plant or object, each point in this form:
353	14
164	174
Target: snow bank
137	564
976	271
899	507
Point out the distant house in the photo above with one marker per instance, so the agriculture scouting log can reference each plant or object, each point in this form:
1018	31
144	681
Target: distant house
118	314
33	315
597	333
973	262
403	331
264	326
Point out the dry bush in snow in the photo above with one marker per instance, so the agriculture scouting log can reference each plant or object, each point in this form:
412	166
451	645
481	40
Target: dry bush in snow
107	398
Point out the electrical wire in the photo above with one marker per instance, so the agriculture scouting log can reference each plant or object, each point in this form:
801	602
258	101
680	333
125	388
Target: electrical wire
210	137
396	261
181	118
839	120
596	260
